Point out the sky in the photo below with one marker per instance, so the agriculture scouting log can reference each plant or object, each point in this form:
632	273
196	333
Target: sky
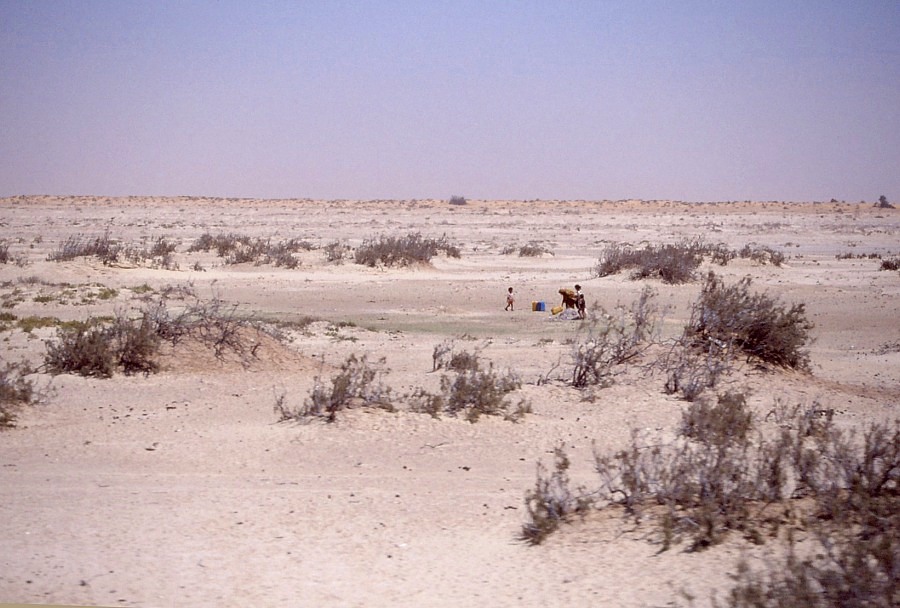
380	99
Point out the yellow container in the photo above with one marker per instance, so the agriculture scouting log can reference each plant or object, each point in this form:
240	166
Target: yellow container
556	310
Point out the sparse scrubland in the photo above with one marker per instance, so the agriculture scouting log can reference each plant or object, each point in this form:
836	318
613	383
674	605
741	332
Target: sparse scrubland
727	406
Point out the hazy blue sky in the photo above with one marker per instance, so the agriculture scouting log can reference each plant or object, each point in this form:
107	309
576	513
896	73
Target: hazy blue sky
597	100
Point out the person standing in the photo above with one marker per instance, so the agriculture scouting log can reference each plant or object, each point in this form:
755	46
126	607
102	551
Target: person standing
510	300
579	302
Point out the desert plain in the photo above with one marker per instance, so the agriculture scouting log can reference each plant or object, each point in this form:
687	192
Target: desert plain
185	487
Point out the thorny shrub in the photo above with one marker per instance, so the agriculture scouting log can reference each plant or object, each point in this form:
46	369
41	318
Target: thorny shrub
15	391
692	368
719	475
611	339
731	317
471	390
336	252
89	349
531	249
97	348
357	384
80	246
890	264
403	250
670	263
445	356
108	251
762	254
552	502
242	249
855	528
728	420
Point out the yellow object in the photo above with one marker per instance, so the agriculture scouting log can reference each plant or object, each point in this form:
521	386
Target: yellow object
556	310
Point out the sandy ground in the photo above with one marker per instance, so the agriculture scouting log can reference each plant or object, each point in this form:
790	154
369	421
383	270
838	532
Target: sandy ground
182	488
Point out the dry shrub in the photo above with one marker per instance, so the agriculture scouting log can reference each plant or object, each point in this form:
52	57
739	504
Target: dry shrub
728	420
692	368
481	392
471	391
84	349
80	246
96	348
670	263
242	249
158	254
336	252
720	476
757	325
533	250
762	254
854	529
15	391
403	251
357	384
890	264
552	502
445	356
458	200
612	339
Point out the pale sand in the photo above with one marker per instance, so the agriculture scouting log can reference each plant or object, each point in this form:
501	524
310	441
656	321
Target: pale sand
181	489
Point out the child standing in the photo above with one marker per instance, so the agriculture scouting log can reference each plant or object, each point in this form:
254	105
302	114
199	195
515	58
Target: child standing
510	300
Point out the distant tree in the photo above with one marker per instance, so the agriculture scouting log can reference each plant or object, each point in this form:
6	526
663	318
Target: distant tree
458	200
883	203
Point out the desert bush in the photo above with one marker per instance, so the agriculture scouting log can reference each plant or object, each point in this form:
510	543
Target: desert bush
728	420
403	251
159	253
336	252
15	391
242	249
844	571
533	250
80	246
670	263
720	476
693	368
136	345
761	254
552	502
481	392
458	200
472	390
854	527
98	350
445	356
612	339
205	242
99	347
890	264
84	349
357	384
759	326
883	203
705	488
